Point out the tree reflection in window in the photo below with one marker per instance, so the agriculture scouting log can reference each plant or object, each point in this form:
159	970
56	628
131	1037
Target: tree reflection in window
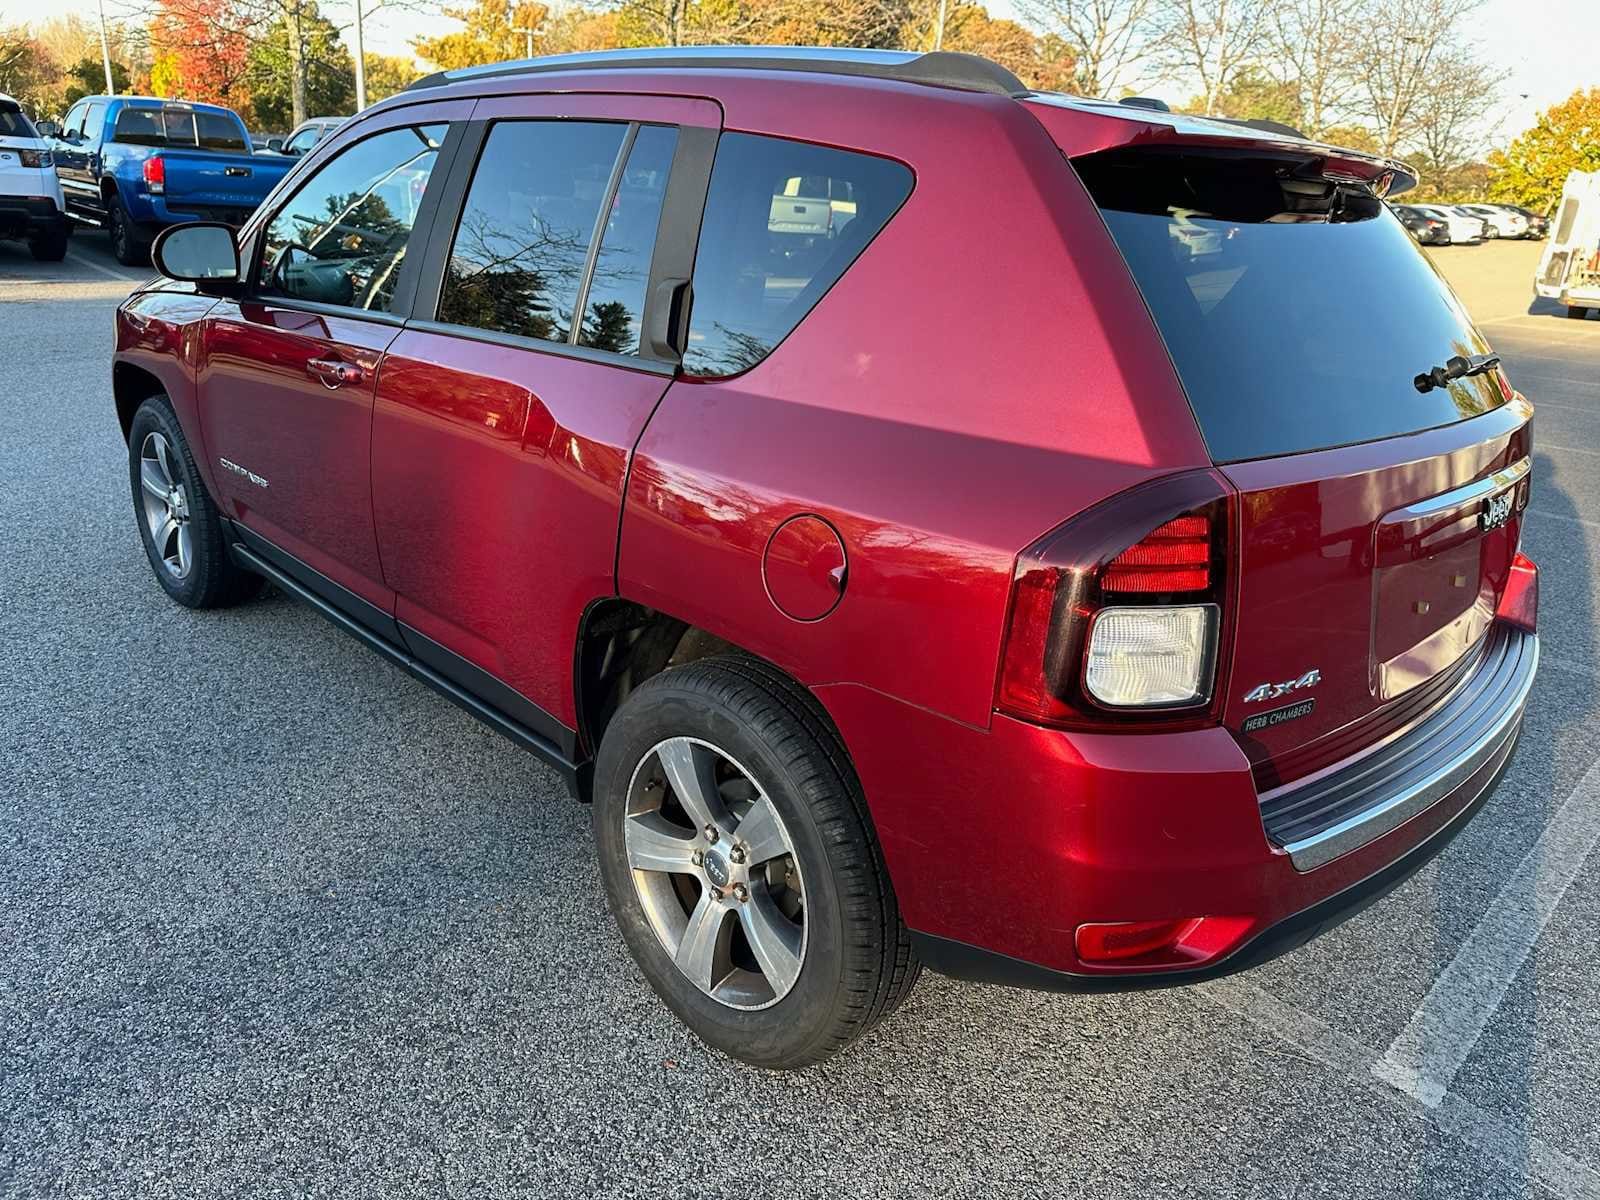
622	267
525	229
342	238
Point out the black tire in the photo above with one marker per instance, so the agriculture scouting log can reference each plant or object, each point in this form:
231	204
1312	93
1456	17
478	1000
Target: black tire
128	246
1576	313
49	247
857	964
212	578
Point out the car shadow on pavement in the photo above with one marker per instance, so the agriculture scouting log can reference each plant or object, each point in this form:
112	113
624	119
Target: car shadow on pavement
1541	306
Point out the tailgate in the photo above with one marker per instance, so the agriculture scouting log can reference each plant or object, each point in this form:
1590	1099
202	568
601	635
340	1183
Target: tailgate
208	179
1380	454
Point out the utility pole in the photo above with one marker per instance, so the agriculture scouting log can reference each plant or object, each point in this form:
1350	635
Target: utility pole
361	62
527	31
105	50
938	30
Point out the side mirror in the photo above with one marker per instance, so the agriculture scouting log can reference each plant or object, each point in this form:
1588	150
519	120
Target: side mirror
203	253
275	145
48	129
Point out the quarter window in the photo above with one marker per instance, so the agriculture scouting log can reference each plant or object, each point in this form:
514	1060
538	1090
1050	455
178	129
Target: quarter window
783	221
342	238
520	249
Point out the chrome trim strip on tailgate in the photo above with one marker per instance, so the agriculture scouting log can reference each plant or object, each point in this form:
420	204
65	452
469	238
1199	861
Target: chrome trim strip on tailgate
1344	809
1478	489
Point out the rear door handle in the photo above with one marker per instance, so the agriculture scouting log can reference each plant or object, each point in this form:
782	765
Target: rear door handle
334	374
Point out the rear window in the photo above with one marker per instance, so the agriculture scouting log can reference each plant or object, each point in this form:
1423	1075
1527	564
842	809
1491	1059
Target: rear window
181	128
1297	311
783	220
13	123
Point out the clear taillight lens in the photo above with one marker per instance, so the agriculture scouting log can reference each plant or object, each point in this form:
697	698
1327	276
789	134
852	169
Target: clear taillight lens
1149	656
1118	614
37	159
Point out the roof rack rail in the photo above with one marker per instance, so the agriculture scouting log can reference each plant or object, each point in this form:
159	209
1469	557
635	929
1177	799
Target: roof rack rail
939	68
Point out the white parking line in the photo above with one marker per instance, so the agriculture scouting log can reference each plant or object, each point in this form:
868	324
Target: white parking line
1558	1173
1423	1061
1565	449
104	270
1541	512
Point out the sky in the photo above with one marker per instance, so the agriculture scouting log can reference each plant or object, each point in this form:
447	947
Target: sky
1551	47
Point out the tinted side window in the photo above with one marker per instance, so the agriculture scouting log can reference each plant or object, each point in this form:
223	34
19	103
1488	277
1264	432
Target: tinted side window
524	234
622	268
783	221
73	121
92	120
342	237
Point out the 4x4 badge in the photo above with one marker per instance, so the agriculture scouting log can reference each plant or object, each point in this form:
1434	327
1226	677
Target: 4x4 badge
1271	691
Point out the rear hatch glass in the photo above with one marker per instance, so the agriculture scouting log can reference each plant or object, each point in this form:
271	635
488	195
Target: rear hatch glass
1377	520
1298	312
14	122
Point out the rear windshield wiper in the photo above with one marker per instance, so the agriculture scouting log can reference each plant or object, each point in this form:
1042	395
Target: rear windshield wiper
1458	367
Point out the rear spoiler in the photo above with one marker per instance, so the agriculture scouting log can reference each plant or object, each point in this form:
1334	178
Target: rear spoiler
1082	127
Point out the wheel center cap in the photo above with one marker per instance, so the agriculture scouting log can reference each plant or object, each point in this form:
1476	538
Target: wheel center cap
716	869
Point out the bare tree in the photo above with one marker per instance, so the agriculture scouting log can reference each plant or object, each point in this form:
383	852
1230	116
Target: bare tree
1396	59
1447	124
1313	43
1210	40
1110	39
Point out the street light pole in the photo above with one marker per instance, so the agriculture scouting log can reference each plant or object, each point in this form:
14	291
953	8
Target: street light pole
361	62
938	30
105	50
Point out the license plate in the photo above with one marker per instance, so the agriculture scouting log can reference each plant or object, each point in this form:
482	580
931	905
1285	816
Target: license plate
1496	511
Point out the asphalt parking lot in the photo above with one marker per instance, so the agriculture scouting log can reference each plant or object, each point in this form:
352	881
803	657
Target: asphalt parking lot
275	920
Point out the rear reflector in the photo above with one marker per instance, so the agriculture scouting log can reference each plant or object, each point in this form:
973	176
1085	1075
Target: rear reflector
1174	558
1519	603
1180	942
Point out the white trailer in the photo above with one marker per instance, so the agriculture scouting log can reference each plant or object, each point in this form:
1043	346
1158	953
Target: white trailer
1569	272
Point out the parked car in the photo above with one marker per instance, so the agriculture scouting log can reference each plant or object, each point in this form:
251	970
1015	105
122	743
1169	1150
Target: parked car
306	135
1067	611
1538	223
31	208
1498	222
136	164
1569	269
261	142
1429	230
1465	229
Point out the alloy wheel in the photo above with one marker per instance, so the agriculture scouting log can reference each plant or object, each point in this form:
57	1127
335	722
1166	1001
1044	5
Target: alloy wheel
716	873
165	501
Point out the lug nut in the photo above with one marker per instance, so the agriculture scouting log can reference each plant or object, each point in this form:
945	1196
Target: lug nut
699	857
741	893
736	854
711	834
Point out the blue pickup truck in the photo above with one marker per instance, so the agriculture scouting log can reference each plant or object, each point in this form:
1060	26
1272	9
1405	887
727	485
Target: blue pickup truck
135	164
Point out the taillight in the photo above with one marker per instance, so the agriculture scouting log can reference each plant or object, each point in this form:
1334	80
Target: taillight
1118	614
37	159
155	175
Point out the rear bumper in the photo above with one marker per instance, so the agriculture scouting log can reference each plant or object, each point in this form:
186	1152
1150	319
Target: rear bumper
1002	843
30	216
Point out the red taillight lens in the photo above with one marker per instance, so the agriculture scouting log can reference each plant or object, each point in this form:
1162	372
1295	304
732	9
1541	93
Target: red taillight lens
1174	558
155	174
1152	561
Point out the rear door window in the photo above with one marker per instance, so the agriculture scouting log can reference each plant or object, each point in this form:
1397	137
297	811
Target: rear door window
522	242
783	221
342	237
1298	312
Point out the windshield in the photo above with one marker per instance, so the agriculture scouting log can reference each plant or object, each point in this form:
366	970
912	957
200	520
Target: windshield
1297	311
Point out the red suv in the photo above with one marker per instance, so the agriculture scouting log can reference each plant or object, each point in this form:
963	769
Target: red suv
1052	541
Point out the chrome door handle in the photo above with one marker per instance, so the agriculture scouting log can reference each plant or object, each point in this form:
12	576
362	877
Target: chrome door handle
334	374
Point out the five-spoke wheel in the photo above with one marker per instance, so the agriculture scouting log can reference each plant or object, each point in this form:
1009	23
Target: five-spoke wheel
166	505
715	872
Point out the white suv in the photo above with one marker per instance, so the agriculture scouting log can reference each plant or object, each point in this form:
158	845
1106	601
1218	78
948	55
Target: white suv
31	207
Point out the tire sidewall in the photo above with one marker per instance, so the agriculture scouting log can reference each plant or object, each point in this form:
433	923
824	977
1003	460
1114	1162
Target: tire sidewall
156	416
804	1017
